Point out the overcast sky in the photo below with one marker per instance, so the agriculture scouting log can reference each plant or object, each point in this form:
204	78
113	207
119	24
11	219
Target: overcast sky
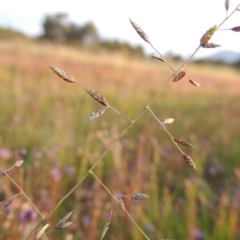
171	25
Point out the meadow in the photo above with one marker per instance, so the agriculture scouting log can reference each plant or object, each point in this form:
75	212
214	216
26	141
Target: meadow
42	122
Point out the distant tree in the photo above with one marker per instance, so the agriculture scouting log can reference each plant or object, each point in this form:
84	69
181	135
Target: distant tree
55	27
88	34
59	28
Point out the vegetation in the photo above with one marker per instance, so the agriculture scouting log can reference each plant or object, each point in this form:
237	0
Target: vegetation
41	122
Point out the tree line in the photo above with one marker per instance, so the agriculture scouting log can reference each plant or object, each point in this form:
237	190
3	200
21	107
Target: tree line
59	28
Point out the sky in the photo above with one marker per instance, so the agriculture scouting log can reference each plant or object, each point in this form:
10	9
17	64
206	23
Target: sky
171	25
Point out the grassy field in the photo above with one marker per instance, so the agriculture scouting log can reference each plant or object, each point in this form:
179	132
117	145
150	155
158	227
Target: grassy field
42	122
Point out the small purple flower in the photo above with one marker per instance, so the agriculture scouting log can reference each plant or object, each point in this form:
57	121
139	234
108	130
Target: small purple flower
86	221
197	234
69	169
213	170
27	216
150	228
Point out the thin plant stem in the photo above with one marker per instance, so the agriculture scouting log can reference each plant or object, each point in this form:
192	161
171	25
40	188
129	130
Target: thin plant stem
161	56
25	195
108	105
116	200
170	135
122	134
228	16
102	184
107	150
136	224
120	113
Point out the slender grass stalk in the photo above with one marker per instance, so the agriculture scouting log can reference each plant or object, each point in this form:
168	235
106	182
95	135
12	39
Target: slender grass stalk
114	197
102	184
108	105
169	134
24	194
126	129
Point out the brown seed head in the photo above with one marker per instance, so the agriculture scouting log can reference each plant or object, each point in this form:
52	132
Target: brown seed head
194	83
178	76
159	58
206	36
62	74
236	29
140	32
99	98
189	161
210	45
227	4
182	142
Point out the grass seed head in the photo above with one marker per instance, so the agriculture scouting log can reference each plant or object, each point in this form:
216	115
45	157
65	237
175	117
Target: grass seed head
62	74
236	29
207	35
98	97
18	163
120	203
4	205
139	196
95	114
159	58
62	223
178	76
210	45
168	121
107	224
140	32
227	4
42	231
194	83
182	142
189	161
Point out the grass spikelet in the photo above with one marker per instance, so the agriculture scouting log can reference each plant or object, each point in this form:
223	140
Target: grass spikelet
159	58
206	36
194	83
5	205
139	196
62	223
189	161
120	203
18	163
140	32
95	114
210	45
62	74
178	76
99	98
227	5
168	121
182	142
42	231
107	224
236	29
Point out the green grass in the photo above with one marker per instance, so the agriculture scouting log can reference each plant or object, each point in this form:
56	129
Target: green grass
44	115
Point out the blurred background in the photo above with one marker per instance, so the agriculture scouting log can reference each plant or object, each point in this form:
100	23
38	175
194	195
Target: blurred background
42	119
